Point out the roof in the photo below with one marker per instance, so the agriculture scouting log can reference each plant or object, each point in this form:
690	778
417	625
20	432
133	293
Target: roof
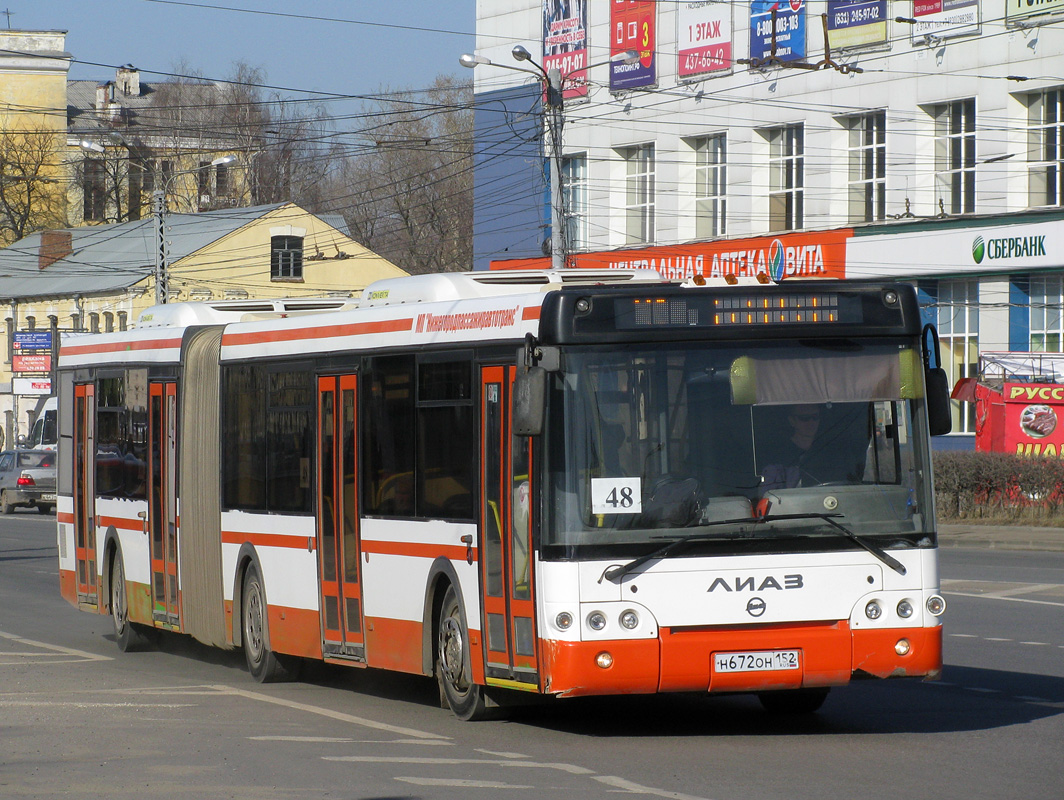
105	259
134	113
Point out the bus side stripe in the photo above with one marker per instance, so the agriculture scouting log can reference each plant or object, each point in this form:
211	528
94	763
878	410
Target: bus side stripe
269	540
417	550
324	332
120	347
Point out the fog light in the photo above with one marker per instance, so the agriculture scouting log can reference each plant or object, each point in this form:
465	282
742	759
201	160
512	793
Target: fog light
564	620
630	620
596	620
873	611
604	660
902	647
936	605
905	609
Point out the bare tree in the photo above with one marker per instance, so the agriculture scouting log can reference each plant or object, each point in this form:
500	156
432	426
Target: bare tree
408	194
32	197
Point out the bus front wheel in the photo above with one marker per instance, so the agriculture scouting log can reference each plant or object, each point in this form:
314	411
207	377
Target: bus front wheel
465	698
264	665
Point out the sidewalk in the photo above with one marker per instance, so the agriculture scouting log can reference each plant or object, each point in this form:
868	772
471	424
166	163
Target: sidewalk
1002	537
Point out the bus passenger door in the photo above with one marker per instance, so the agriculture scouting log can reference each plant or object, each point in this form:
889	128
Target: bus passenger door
85	492
505	539
338	533
162	501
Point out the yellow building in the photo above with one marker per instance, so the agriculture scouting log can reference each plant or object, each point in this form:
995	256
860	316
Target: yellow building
33	131
101	277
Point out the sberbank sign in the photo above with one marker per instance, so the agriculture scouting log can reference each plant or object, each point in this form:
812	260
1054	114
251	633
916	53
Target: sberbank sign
1008	247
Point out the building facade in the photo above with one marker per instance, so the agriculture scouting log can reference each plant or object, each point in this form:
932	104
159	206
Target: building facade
851	138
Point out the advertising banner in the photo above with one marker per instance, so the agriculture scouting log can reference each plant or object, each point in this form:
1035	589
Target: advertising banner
565	44
1023	9
704	38
814	254
1034	419
32	340
853	23
25	386
944	18
31	363
633	26
790	29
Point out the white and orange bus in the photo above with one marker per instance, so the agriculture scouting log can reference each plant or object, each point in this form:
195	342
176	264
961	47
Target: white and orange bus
557	483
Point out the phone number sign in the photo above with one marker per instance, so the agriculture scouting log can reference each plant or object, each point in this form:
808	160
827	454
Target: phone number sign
789	36
704	37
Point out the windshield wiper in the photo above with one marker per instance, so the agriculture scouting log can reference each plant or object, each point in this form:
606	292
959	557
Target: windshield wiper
662	552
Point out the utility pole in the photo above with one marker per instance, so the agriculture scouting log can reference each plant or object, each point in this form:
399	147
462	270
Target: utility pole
162	287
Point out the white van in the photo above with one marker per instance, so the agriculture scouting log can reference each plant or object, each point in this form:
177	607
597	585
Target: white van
45	433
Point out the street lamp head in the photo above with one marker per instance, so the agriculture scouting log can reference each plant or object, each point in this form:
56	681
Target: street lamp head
85	144
229	159
520	53
470	60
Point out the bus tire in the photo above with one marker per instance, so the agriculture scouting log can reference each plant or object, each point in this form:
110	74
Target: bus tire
793	701
466	699
264	665
129	636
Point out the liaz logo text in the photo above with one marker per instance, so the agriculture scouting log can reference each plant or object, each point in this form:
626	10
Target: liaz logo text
1008	247
751	584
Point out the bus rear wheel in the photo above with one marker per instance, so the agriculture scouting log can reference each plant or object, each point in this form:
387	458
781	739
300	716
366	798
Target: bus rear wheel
466	699
128	635
793	701
264	665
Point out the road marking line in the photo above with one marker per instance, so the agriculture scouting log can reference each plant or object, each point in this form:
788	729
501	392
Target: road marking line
342	740
1037	644
635	788
1026	589
460	783
964	635
64	650
572	769
502	755
1029	699
327	712
81	704
998	639
1012	599
982	690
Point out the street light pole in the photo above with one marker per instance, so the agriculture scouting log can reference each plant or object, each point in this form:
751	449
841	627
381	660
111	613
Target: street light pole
553	82
158	200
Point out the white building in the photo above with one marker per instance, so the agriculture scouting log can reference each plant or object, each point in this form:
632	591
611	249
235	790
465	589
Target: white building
927	145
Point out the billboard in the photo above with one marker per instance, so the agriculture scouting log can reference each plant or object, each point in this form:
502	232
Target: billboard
789	36
704	38
944	18
633	26
853	23
36	362
31	386
565	44
32	340
1016	10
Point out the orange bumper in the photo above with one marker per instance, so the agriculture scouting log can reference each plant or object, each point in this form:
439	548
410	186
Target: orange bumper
681	660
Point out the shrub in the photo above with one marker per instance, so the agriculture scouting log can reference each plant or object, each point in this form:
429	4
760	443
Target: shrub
998	486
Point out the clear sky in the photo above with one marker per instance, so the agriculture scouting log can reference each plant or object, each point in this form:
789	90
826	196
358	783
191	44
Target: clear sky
345	47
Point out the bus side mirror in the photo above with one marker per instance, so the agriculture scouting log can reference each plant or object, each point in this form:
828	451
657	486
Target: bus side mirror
939	416
530	401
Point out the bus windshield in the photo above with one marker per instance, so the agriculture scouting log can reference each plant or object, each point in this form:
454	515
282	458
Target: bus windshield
659	443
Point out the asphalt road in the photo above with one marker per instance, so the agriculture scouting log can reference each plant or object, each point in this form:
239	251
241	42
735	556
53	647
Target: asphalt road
80	719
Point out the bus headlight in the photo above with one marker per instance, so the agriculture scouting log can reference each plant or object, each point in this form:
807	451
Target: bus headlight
902	647
873	610
936	605
604	660
564	620
630	620
596	620
905	609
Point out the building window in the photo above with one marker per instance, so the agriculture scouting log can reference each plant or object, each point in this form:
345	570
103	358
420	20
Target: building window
1045	150
1047	325
786	161
868	166
108	322
221	180
122	317
203	180
286	258
955	156
711	181
94	191
574	194
958	330
638	194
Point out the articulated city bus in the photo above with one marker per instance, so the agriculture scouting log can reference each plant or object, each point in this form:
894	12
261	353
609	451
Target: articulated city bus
551	483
